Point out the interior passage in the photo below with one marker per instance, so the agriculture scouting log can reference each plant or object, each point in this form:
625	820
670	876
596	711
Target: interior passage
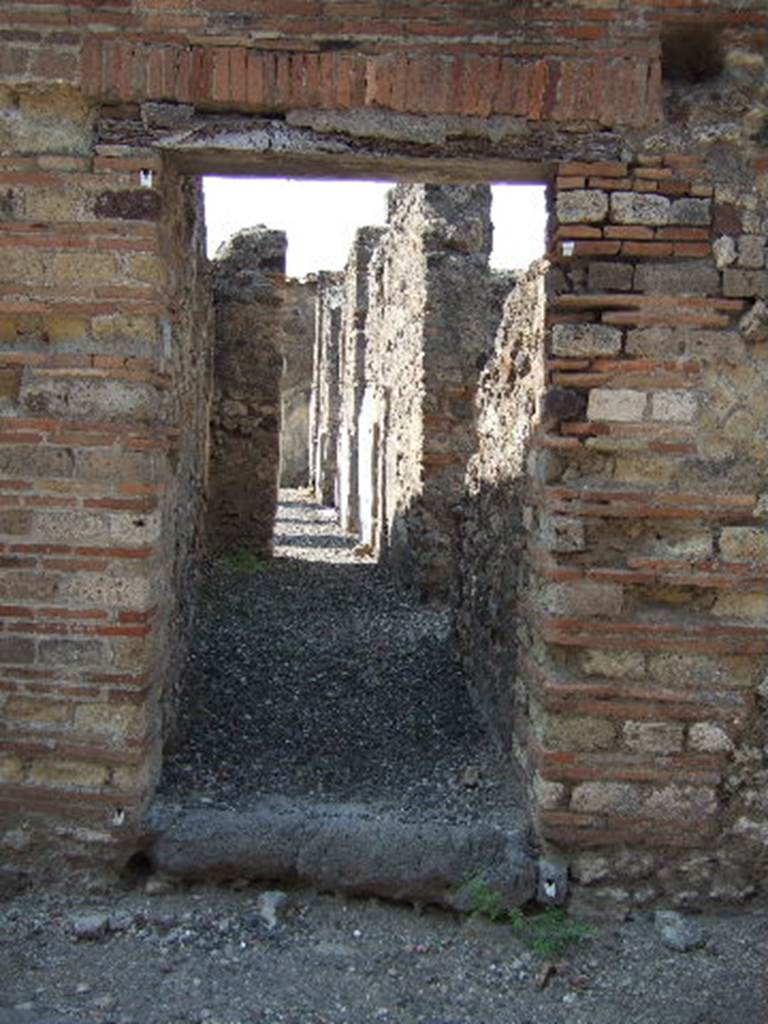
311	676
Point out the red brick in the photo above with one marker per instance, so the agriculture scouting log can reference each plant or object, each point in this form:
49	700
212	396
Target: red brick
633	232
604	248
572	231
653	173
572	182
648	250
682	234
692	250
144	552
580	830
610	184
603	170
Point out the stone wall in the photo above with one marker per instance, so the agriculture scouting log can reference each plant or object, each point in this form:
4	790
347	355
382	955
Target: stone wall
248	288
297	329
489	614
429	322
325	398
353	343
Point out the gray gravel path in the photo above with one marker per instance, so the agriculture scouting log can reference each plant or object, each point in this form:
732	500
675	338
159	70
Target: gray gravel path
312	677
211	956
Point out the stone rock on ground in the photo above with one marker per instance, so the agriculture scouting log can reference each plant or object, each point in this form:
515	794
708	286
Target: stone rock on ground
677	931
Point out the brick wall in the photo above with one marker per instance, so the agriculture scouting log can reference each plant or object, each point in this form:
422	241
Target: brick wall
643	620
101	473
647	593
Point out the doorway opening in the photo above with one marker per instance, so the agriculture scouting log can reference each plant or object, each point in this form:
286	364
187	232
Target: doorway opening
324	665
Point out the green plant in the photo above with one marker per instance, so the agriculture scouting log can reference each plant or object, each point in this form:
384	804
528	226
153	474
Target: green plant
244	561
486	901
548	933
551	933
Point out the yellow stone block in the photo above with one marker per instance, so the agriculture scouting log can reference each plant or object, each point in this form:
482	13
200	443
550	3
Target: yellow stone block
85	774
84	269
132	778
613	664
577	733
11	768
115	720
743	606
33	709
643	469
7	330
137	328
53	205
744	544
66	328
62	104
24	267
146	269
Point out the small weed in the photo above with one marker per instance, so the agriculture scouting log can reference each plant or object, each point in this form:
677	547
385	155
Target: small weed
244	561
549	934
486	901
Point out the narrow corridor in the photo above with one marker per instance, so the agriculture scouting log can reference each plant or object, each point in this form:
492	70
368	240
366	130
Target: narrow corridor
312	677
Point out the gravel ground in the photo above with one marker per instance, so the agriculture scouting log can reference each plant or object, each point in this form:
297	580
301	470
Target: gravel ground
312	677
209	956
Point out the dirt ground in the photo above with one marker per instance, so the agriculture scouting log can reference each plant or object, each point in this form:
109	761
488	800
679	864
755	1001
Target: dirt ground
228	955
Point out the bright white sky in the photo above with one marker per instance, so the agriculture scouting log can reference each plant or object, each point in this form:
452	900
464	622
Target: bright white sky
321	217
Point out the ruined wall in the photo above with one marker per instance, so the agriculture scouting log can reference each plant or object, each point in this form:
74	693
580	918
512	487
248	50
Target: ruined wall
352	344
297	330
188	344
493	537
428	324
248	286
325	401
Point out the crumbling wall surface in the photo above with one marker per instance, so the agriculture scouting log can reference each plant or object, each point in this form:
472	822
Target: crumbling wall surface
429	323
326	399
352	344
492	565
297	329
188	340
648	625
248	285
103	395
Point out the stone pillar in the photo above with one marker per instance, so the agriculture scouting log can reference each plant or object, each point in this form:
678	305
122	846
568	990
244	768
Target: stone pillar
297	340
324	409
248	278
352	372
